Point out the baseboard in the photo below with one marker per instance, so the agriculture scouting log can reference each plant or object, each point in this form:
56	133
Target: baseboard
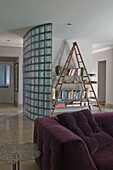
102	102
108	105
19	105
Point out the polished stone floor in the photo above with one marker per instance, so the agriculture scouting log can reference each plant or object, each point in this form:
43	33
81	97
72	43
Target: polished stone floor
16	128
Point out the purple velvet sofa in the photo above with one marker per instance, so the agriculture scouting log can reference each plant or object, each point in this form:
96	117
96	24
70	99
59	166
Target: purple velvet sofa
75	141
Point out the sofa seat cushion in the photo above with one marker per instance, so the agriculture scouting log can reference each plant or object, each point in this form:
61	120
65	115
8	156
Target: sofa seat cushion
103	158
84	125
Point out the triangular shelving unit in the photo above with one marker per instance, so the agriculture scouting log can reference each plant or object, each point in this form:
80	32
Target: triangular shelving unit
87	96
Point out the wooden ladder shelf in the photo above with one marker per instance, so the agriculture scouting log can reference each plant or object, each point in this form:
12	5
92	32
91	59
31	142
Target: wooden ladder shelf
61	79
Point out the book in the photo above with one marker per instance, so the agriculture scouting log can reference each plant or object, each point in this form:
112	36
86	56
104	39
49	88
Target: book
53	93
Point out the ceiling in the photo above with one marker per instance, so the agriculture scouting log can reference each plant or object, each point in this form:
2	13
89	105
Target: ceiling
91	20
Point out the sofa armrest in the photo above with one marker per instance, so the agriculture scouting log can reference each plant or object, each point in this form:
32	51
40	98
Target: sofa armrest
105	121
61	149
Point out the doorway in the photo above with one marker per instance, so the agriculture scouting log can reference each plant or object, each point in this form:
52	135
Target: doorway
6	82
102	82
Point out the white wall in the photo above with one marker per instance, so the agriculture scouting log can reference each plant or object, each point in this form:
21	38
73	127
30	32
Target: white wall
108	57
61	49
15	52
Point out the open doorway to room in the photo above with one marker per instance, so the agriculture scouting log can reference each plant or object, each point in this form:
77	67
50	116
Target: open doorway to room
102	82
8	95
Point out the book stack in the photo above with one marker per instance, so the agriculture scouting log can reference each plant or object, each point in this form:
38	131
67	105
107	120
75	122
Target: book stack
76	103
60	104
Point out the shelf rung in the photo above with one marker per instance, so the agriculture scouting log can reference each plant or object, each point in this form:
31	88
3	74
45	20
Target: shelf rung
59	83
92	98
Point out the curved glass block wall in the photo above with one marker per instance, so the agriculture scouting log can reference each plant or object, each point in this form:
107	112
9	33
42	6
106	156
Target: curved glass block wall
37	83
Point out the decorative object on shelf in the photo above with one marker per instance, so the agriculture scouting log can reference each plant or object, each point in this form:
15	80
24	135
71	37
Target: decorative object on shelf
91	74
86	92
58	69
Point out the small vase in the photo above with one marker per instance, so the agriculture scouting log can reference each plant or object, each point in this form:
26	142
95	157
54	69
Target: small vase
58	70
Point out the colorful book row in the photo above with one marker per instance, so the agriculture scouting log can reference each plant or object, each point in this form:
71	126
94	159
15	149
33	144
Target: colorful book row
71	94
75	72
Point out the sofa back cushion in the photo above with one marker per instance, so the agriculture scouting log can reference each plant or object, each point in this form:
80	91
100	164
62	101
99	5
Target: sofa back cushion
84	125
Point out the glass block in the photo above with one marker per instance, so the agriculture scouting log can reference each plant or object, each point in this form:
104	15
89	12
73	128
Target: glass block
41	66
48	51
41	96
36	110
47	58
36	74
36	95
32	88
32	60
32	109
36	103
37	30
29	41
41	44
40	103
41	74
47	73
33	46
35	116
41	51
32	95
32	102
33	39
41	29
32	32
41	59
46	112
41	111
29	47
32	67
47	104
36	52
32	74
48	28
32	115
32	54
48	81
37	66
47	97
36	60
32	81
41	89
36	89
41	36
48	36
37	45
48	89
41	81
36	81
48	43
36	38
